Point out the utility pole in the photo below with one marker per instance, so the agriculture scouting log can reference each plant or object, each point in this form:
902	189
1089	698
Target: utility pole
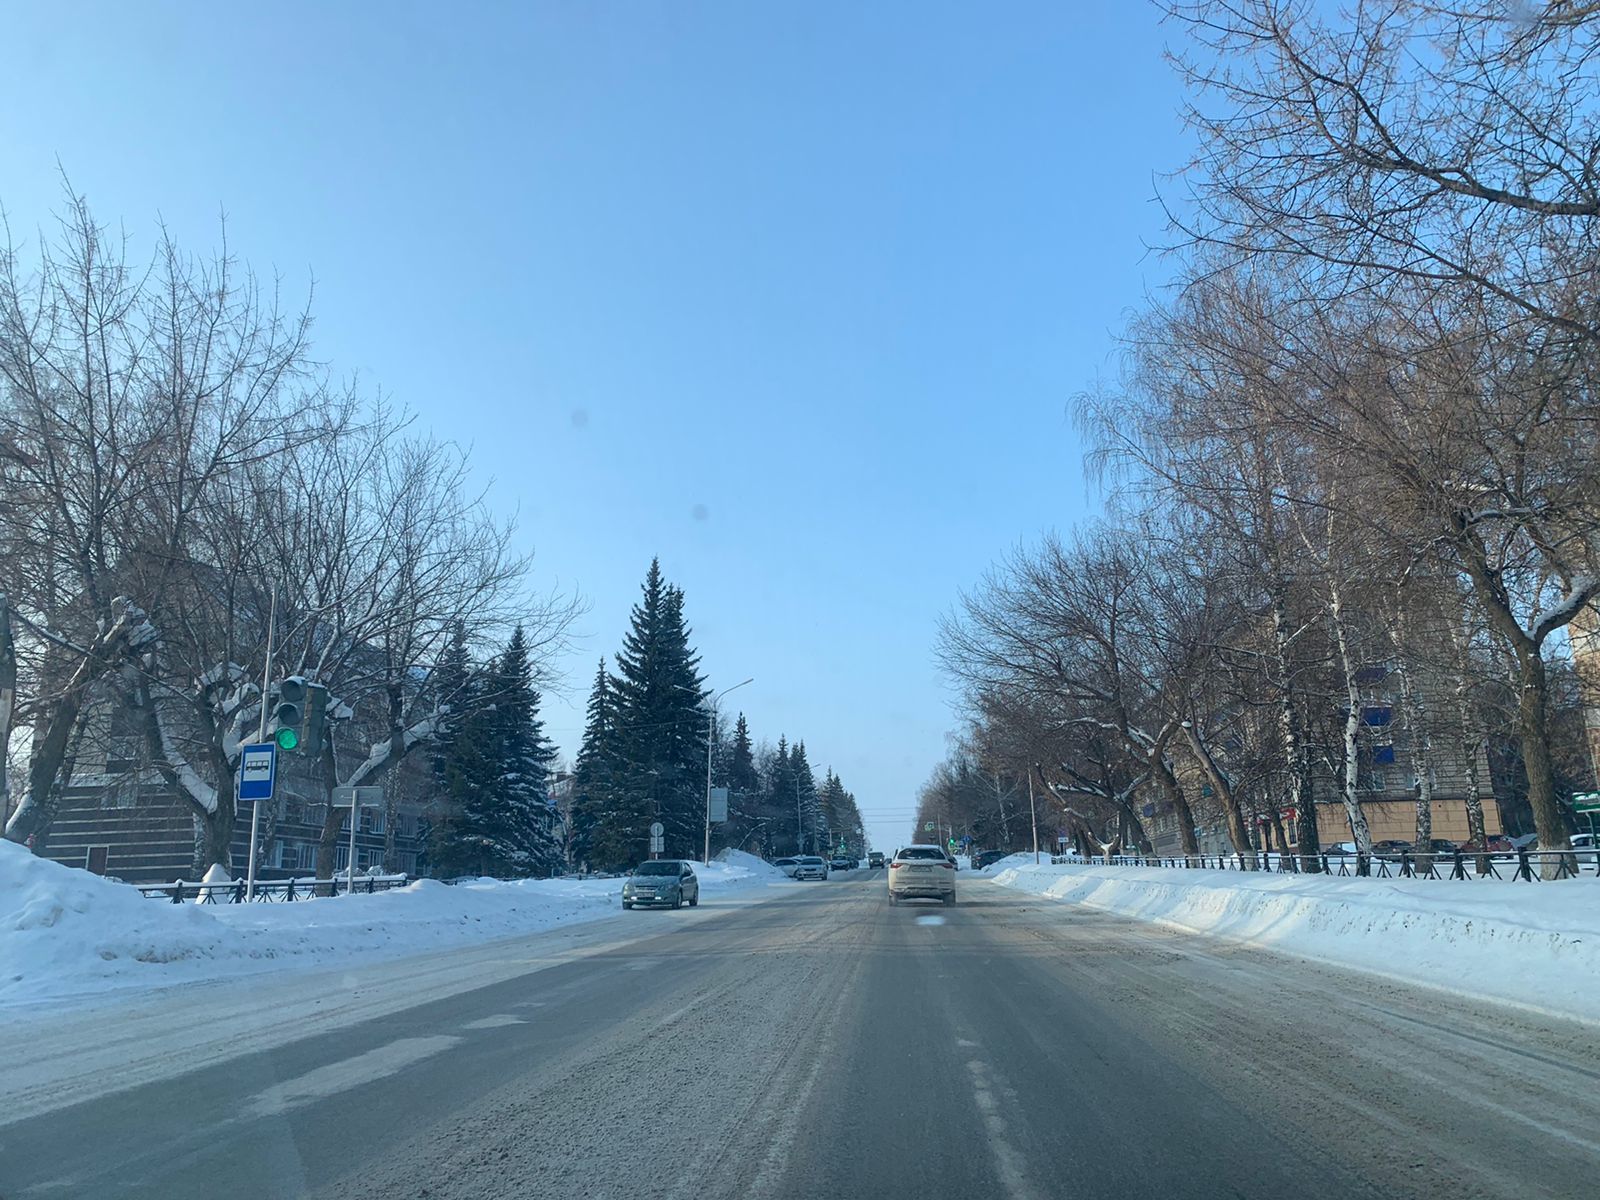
799	822
1033	815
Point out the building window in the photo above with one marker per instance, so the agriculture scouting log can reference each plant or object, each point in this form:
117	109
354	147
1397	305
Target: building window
1377	716
94	859
289	856
1383	755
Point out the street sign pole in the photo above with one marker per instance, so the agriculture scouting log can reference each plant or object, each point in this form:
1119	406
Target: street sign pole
261	736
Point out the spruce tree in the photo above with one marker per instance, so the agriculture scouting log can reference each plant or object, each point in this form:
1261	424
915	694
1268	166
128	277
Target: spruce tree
517	799
813	825
781	800
449	685
596	821
660	726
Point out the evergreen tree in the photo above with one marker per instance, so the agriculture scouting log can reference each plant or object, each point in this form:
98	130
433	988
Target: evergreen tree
464	775
601	833
831	802
781	801
743	779
449	684
517	819
814	827
660	726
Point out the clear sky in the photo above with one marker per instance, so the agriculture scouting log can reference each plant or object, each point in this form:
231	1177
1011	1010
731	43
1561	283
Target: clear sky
795	295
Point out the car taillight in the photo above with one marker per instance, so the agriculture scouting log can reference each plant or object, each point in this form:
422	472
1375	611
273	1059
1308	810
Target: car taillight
893	865
949	866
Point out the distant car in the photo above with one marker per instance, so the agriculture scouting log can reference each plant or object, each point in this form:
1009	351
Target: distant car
925	871
809	866
874	860
1495	843
1442	846
841	864
786	865
668	882
988	858
1392	848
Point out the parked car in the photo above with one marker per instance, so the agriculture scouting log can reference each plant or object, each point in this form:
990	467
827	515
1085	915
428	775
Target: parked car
1442	846
809	866
988	858
841	864
1495	843
1392	848
925	871
662	881
786	865
874	859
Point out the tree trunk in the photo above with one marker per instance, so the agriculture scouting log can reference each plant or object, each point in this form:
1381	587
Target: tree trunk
1238	831
1532	705
1360	833
1275	820
1173	793
8	701
1294	753
1421	762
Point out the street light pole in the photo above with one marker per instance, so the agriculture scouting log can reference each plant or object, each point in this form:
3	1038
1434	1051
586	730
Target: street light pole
711	732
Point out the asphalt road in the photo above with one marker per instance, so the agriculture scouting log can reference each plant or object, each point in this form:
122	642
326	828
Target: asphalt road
825	1043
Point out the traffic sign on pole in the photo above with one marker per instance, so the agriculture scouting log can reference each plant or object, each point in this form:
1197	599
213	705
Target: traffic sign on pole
1586	802
258	772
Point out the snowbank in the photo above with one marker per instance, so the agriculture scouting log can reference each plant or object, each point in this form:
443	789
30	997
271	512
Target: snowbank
65	933
1536	944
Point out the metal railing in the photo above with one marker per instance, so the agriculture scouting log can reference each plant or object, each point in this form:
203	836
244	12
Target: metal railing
1525	865
270	891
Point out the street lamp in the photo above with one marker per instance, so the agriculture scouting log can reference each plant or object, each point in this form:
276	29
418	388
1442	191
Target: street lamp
711	726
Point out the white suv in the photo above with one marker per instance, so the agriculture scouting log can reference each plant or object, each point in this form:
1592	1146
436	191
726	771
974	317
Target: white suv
925	871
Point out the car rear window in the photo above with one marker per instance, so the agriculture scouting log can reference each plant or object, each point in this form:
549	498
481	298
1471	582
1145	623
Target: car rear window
927	852
659	867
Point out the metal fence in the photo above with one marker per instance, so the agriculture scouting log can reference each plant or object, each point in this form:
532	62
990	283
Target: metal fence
1526	865
270	891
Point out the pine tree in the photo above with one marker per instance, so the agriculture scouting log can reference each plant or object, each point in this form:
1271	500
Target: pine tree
743	779
813	825
517	800
596	819
781	800
449	685
660	726
465	773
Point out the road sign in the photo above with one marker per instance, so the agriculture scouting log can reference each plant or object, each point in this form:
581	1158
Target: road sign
657	829
1586	802
258	772
927	826
719	805
361	797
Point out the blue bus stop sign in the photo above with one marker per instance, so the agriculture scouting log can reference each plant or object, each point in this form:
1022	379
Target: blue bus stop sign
258	772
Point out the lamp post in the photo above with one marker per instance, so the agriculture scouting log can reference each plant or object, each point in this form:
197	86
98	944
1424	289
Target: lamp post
711	732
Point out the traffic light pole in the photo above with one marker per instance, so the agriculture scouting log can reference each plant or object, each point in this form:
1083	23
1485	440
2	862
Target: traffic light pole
261	736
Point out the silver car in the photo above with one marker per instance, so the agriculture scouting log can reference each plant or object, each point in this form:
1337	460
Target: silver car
809	866
668	882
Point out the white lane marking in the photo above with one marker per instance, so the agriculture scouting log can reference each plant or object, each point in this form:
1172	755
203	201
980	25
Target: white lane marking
966	1044
1008	1162
494	1022
342	1076
930	920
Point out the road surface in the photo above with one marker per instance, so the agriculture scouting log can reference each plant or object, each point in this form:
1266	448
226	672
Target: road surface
826	1043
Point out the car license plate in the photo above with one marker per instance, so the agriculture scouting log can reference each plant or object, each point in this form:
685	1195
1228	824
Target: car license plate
922	870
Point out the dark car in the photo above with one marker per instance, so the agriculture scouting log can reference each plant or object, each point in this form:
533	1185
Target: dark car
841	864
988	858
875	859
1392	848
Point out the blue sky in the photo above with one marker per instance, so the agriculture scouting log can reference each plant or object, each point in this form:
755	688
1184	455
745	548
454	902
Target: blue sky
794	295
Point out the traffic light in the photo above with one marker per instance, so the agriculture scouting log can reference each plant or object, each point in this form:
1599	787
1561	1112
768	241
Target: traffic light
316	710
289	715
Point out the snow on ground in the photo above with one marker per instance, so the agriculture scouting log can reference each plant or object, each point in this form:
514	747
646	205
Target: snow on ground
1531	944
67	934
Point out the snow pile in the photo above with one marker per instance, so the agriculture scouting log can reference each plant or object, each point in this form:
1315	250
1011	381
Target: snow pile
1536	944
66	933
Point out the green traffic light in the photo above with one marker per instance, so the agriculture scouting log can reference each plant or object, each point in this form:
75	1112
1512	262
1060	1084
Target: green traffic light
287	739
